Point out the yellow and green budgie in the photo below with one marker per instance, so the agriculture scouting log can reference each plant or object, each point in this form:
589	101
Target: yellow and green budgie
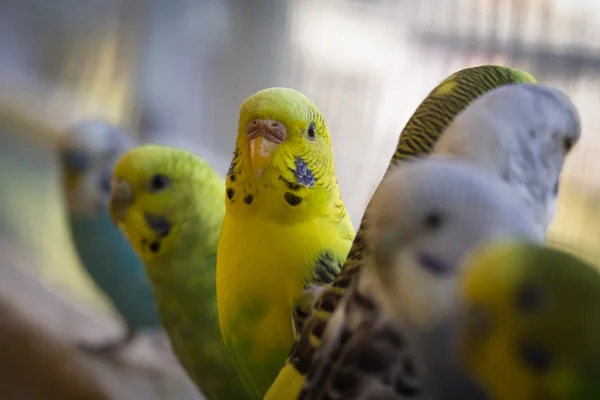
286	231
530	323
417	139
169	203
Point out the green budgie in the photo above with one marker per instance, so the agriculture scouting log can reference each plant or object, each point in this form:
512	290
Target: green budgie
388	337
530	323
169	203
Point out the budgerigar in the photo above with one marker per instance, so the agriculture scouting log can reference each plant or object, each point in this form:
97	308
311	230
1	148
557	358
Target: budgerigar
285	230
389	339
88	152
530	323
419	136
169	203
521	133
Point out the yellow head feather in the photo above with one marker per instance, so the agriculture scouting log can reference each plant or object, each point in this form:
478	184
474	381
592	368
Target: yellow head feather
283	149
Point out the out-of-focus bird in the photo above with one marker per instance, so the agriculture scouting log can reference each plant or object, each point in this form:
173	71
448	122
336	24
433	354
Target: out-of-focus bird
169	203
389	338
530	323
285	232
88	153
522	134
417	139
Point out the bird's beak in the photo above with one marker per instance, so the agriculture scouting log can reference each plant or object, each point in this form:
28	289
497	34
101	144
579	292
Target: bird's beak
264	137
121	197
260	154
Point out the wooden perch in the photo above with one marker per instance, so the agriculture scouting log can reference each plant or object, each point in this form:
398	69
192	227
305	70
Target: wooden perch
34	366
143	371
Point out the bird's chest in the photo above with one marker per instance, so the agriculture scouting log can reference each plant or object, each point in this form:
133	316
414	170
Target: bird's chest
264	261
268	245
262	269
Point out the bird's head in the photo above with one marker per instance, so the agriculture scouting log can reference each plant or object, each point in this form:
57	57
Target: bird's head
158	192
88	152
282	133
423	218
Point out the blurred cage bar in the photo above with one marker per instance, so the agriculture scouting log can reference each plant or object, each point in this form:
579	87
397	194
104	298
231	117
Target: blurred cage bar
176	71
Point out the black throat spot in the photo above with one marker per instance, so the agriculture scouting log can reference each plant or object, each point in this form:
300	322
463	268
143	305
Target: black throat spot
160	225
292	199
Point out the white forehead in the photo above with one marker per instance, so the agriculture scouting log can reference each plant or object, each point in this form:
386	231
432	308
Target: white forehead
439	184
96	137
531	106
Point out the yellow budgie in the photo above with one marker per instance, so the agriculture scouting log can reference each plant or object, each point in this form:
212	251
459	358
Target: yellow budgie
285	232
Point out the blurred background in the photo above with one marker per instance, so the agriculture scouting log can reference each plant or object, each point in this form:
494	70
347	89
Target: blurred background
176	71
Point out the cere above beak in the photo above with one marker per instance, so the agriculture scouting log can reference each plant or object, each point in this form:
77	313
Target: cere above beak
265	136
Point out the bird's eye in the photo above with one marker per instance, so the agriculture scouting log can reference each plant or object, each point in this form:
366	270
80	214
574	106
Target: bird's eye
433	220
569	143
311	131
157	183
75	161
529	297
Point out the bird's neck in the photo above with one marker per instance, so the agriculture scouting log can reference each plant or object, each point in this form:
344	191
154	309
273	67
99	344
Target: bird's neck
278	195
190	250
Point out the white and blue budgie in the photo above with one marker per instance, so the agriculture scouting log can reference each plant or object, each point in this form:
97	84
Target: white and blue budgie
521	134
88	152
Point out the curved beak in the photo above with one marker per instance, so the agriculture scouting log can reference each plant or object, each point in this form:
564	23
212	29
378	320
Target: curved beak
121	197
264	136
261	150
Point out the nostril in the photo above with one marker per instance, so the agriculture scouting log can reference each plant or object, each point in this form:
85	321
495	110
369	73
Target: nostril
274	124
254	122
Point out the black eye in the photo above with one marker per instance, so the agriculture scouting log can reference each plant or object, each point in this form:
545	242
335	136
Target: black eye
433	220
569	143
311	131
157	183
75	161
529	298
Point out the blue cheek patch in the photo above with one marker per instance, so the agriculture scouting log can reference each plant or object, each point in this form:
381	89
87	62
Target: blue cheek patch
105	183
75	161
303	174
433	265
